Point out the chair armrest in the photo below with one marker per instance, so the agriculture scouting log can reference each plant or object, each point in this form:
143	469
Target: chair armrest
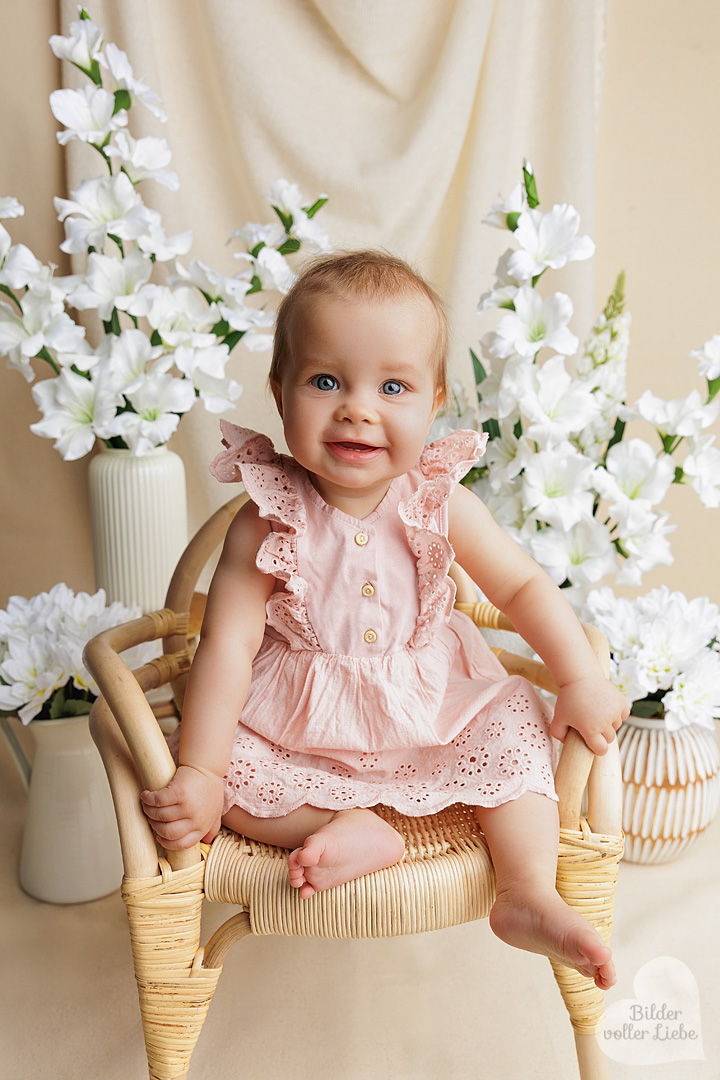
124	693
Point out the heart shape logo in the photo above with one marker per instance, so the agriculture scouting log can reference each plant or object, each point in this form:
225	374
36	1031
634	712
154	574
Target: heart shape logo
661	1023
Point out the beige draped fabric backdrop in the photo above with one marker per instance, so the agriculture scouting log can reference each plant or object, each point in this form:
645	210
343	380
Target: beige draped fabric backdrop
413	116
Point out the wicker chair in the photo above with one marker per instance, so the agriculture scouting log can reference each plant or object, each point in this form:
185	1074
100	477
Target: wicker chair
445	877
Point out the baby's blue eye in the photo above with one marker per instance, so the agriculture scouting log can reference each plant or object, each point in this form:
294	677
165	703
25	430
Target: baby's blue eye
324	382
392	387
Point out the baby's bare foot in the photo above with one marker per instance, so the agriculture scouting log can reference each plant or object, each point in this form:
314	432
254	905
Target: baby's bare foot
353	843
544	923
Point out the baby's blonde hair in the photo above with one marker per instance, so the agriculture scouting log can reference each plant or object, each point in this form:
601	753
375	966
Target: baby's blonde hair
367	275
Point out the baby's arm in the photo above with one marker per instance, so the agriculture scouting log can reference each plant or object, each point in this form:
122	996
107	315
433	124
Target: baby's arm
519	587
190	807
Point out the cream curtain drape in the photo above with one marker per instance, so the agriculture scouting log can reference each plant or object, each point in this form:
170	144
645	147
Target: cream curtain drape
413	116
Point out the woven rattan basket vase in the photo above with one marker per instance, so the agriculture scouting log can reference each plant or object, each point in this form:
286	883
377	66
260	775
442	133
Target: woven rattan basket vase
671	787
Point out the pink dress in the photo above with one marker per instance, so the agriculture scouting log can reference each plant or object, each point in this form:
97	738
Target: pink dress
368	687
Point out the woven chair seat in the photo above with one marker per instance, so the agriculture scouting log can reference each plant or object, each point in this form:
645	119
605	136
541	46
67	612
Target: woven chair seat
445	878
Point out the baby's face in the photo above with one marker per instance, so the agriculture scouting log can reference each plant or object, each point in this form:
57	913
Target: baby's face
359	395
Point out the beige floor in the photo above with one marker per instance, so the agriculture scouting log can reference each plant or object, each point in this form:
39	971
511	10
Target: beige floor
454	1005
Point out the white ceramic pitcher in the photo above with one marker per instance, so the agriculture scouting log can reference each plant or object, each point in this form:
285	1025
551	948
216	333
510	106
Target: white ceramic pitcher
70	849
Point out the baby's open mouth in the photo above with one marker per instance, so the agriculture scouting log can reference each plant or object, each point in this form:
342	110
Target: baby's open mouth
353	451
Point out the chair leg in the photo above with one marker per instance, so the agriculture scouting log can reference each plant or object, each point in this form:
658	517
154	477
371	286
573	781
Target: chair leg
174	988
586	879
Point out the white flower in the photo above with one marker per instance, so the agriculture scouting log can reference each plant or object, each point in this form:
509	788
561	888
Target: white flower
180	315
144	159
18	265
618	618
309	232
536	323
548	240
206	370
634	474
512	205
75	410
702	465
253	233
43	324
556	486
556	404
10	207
682	416
505	289
504	387
98	207
121	71
32	673
87	114
505	458
271	268
708	358
695	694
157	401
286	197
646	545
583	554
111	283
129	356
81	46
153	241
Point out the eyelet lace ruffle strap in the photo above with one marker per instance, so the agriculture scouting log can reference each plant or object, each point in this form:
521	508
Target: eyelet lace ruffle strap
443	464
251	458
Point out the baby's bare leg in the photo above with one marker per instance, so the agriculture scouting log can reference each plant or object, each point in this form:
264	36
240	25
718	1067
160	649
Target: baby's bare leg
331	847
528	912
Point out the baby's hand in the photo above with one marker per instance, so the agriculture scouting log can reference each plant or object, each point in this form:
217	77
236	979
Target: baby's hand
594	707
187	810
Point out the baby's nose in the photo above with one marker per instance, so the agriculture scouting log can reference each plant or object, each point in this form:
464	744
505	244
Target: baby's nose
358	409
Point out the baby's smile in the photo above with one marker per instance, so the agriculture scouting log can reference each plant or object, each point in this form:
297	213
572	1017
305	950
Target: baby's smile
354	451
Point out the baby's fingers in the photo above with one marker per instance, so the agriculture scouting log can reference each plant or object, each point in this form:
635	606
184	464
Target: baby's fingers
166	796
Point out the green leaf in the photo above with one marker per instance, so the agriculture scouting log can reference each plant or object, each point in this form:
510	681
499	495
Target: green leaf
155	338
311	211
713	387
122	100
511	220
290	245
221	328
679	477
492	428
119	243
517	430
45	355
286	219
618	433
84	15
232	339
649	709
480	372
11	294
94	73
112	325
667	441
258	248
255	285
530	189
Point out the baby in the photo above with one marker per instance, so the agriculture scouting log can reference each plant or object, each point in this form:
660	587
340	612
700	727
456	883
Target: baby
332	672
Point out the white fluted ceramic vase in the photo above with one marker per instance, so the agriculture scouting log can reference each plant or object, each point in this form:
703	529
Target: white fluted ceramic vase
70	848
138	509
671	787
